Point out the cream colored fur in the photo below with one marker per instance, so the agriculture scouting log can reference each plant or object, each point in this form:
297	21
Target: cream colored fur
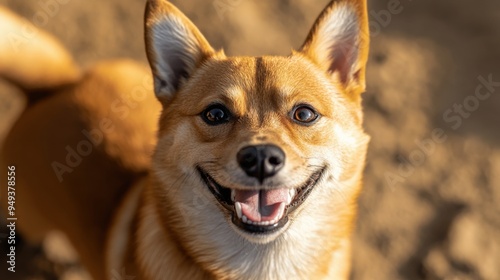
157	218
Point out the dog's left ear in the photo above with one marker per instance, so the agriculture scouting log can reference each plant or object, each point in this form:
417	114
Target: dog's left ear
339	40
174	46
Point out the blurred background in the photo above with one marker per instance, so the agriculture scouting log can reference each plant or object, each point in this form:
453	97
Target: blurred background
431	202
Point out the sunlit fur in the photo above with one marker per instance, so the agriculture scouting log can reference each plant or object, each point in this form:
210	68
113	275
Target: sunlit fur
183	231
64	100
156	219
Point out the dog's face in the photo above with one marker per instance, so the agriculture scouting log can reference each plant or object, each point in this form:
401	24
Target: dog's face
258	150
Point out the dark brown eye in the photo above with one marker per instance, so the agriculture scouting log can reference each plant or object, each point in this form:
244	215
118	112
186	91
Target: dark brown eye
216	114
305	115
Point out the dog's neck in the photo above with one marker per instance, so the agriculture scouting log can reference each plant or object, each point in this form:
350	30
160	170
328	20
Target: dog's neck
149	252
160	254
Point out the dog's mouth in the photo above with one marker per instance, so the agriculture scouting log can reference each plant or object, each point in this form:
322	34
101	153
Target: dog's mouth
260	211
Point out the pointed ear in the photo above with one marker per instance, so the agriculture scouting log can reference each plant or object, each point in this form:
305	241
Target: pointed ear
339	40
174	47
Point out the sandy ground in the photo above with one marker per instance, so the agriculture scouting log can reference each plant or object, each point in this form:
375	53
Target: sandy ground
431	203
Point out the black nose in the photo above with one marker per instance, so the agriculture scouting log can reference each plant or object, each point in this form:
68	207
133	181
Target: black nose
261	161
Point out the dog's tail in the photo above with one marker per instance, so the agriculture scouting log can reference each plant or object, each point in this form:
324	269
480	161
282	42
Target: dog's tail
32	59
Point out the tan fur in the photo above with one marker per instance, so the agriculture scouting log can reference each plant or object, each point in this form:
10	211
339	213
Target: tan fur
169	225
83	203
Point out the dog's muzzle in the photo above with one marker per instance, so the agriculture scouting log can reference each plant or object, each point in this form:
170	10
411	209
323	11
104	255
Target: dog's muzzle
260	211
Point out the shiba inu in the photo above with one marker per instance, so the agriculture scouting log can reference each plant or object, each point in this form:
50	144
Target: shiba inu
257	163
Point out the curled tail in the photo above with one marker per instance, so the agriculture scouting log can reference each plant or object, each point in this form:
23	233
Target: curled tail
32	59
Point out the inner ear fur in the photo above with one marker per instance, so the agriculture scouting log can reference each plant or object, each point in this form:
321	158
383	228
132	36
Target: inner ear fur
338	42
175	47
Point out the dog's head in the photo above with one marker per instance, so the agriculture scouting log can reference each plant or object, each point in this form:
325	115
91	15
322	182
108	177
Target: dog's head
259	149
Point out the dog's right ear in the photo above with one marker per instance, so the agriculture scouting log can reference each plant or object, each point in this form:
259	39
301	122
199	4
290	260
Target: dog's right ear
174	46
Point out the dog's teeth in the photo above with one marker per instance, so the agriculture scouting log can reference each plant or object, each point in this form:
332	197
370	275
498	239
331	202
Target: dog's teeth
244	218
282	211
233	195
291	195
237	206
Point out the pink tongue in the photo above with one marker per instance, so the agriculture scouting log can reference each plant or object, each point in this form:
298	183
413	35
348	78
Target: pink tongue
263	205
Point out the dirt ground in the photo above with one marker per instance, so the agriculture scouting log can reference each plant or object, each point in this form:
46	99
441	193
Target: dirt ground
431	202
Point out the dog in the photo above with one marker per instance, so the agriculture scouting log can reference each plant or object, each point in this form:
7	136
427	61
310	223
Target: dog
256	162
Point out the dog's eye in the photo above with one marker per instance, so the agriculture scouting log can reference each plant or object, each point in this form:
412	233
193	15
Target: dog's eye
305	115
216	114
